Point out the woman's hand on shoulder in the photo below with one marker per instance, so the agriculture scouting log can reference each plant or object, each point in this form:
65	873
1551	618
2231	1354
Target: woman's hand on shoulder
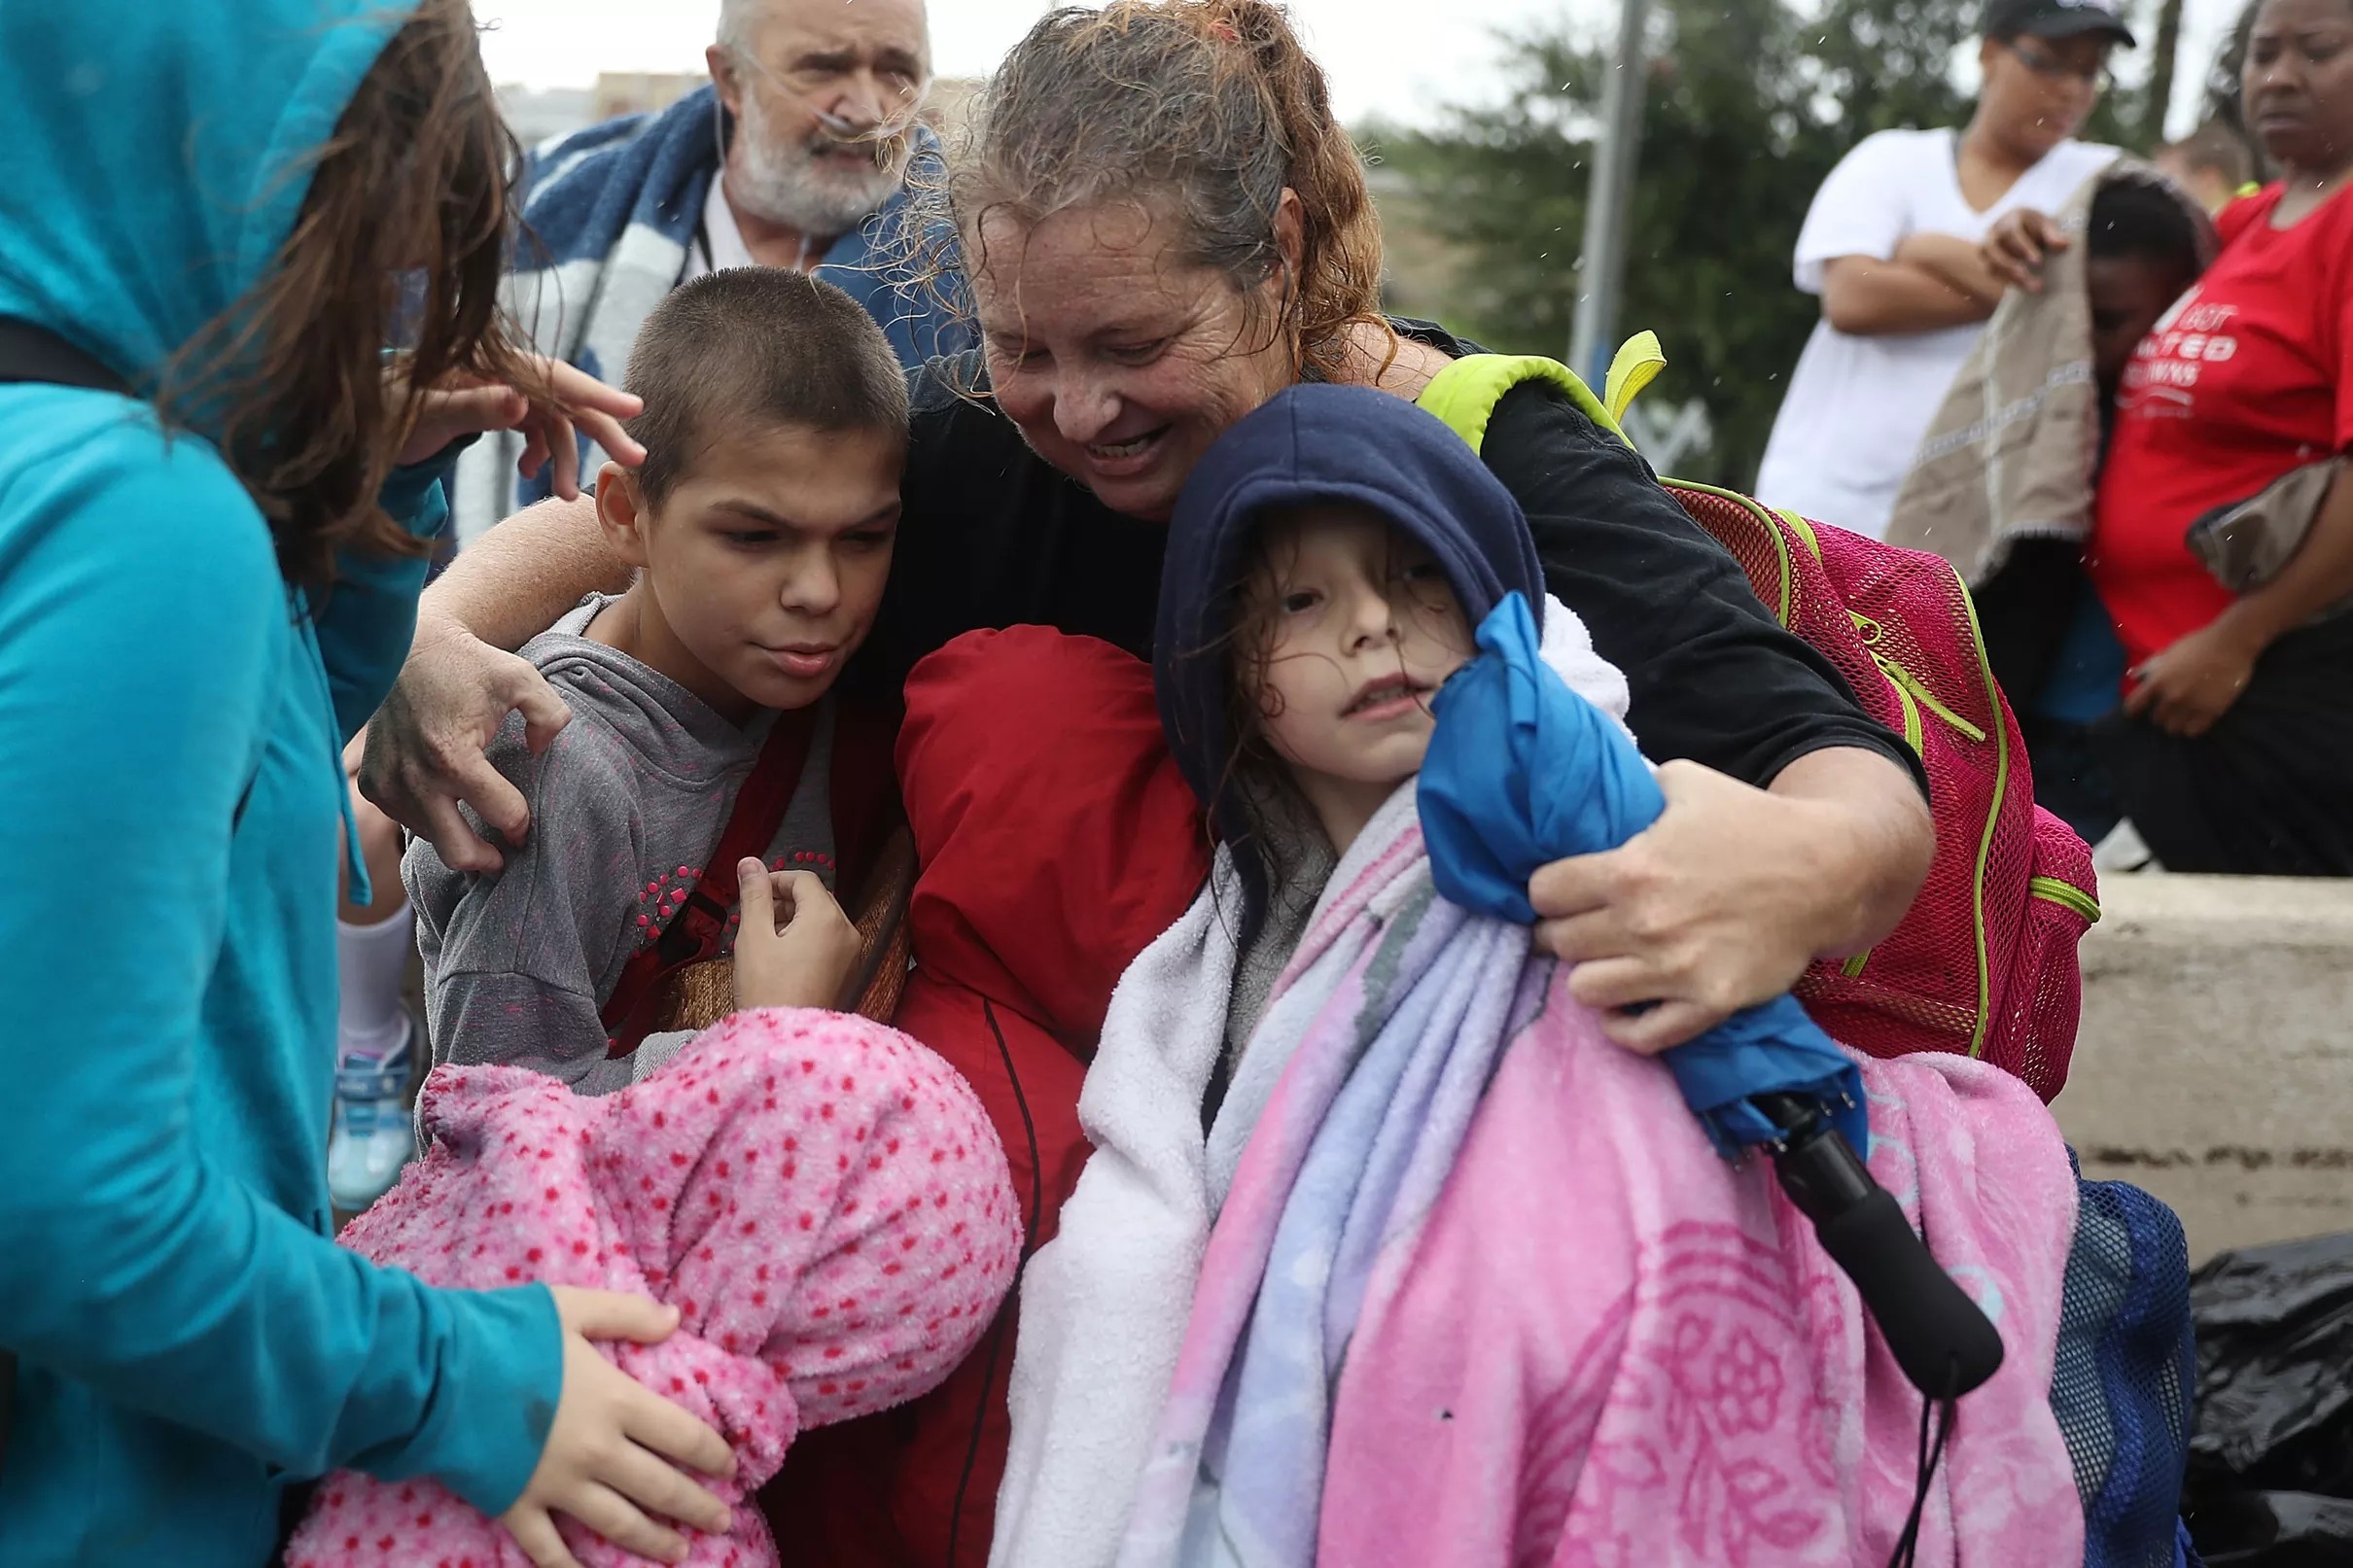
426	746
795	947
1722	902
2017	245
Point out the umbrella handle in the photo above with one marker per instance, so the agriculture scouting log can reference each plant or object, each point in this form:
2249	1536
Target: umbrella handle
1942	1339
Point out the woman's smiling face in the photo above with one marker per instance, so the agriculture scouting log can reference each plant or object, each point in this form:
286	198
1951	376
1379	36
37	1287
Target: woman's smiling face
1120	358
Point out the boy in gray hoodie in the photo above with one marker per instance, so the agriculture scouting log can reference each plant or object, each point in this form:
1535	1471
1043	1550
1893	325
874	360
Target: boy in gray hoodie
761	526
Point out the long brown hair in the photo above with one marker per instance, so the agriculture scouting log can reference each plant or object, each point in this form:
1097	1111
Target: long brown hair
1203	111
402	234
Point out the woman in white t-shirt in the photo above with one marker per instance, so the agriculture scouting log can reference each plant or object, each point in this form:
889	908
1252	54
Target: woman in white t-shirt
1891	246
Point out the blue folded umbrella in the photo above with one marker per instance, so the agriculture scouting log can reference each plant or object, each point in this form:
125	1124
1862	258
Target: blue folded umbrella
1522	772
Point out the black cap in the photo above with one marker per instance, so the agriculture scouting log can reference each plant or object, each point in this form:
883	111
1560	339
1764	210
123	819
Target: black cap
2056	18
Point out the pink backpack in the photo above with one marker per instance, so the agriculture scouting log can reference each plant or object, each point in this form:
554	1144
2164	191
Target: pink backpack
1985	963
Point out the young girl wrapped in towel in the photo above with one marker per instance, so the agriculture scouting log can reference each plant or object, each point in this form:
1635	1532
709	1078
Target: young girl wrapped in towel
1450	1278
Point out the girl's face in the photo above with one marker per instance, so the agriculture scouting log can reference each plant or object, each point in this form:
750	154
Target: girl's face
1357	628
2298	84
1120	360
2127	294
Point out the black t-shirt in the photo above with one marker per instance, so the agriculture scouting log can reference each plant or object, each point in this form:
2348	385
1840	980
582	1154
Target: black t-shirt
993	536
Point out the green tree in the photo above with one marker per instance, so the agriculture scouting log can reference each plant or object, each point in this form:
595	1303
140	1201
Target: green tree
1725	179
1748	107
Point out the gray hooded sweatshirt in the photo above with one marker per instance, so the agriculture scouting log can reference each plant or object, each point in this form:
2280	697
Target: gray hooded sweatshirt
625	808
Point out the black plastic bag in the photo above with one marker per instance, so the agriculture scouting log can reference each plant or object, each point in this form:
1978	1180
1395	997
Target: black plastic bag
2270	1475
2276	1530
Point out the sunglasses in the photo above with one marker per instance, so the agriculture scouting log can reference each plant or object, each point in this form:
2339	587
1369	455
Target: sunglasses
2051	68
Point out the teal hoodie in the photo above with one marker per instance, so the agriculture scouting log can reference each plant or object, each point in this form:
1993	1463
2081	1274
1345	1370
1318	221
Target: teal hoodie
188	1338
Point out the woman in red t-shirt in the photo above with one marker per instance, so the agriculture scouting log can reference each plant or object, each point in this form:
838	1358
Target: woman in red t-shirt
2235	750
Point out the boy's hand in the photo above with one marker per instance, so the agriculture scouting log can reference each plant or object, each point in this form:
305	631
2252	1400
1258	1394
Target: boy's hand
794	948
616	1454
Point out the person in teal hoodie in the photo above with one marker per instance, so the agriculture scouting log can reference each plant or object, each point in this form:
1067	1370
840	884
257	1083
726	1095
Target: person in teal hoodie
228	207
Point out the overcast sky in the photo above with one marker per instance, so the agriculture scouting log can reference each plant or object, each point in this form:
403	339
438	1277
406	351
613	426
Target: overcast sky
1400	59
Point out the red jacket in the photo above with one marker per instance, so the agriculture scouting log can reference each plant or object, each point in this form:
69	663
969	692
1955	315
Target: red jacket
1057	840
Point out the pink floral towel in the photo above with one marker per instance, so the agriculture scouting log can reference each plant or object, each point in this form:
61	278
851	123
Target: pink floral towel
1665	1370
821	1198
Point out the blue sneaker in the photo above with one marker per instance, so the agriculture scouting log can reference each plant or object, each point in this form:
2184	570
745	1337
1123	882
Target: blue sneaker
372	1138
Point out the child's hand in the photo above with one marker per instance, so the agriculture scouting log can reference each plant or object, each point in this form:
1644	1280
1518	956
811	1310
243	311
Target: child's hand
614	1451
794	948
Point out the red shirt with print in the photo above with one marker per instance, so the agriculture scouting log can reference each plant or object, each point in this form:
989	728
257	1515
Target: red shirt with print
2249	376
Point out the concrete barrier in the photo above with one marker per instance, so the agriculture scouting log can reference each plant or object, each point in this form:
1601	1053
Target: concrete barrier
2215	1062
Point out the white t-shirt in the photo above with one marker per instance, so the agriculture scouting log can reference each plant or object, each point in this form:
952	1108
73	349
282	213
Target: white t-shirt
720	245
1856	407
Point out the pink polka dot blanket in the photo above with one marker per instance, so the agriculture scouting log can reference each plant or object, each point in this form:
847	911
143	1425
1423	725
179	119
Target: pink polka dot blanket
823	1200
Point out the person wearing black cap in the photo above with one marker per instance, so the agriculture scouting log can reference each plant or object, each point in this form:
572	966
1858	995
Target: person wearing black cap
1890	244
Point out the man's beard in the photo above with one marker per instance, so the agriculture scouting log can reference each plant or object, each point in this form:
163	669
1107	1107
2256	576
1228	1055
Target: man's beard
785	183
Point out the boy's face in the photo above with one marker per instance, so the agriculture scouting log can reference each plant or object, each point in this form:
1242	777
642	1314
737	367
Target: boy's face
1360	629
2128	295
766	562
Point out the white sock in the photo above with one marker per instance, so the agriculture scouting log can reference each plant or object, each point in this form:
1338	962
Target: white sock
373	960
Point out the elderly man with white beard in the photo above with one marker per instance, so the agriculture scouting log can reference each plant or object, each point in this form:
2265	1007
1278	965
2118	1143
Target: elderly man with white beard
799	155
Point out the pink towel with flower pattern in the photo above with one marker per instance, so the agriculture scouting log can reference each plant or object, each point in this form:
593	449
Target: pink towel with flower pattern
821	1198
1676	1376
1483	1295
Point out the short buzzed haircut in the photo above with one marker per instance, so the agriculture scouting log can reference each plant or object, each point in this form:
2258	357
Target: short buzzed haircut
751	348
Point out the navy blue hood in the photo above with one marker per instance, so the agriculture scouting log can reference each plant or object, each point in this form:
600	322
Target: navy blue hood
1314	444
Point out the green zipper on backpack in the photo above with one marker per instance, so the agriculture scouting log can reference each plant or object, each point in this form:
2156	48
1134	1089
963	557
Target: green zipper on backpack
1985	843
1911	686
1910	689
1911	694
1784	611
2052	889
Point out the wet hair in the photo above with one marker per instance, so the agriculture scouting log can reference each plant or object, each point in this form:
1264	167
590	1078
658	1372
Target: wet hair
413	185
2145	221
756	347
1203	111
1258	810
